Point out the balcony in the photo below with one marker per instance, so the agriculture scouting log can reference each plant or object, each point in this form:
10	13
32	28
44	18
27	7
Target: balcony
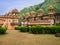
14	23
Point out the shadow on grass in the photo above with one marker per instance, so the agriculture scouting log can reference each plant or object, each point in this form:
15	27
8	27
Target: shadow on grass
4	34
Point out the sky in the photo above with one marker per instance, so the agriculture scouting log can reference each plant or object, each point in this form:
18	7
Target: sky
8	5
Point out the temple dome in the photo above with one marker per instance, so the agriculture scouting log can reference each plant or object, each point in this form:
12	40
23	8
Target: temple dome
51	7
14	11
32	12
27	14
23	14
40	10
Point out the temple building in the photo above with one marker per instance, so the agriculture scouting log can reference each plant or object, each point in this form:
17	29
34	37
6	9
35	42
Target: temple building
40	18
9	20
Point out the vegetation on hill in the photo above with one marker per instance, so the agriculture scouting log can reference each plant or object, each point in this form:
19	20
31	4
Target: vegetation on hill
44	6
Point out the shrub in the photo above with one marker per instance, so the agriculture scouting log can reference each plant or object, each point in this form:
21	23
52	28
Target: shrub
17	28
33	29
0	26
45	30
57	24
3	30
24	29
38	29
57	29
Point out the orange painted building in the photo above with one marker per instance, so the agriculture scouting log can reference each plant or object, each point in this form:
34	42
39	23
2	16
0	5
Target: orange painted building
9	20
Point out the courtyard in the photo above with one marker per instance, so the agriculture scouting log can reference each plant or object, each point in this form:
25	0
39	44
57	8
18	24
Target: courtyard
14	37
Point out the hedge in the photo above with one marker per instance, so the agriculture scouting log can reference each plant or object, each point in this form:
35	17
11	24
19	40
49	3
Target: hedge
22	28
17	28
3	30
39	29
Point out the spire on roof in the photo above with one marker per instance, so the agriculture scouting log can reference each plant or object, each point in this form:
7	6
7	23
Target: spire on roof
50	7
40	11
14	11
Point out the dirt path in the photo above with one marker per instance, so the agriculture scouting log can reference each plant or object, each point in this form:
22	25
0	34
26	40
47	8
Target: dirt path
14	37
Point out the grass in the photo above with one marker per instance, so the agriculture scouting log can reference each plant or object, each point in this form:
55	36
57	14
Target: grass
14	37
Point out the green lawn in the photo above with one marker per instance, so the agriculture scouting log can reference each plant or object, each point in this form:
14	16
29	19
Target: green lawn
14	37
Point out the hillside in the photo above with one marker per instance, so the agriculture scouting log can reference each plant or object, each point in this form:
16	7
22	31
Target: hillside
54	3
44	6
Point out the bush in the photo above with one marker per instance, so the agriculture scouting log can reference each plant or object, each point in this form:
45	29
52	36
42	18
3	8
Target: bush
0	26
17	28
33	29
3	30
57	24
37	29
24	29
45	30
57	30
